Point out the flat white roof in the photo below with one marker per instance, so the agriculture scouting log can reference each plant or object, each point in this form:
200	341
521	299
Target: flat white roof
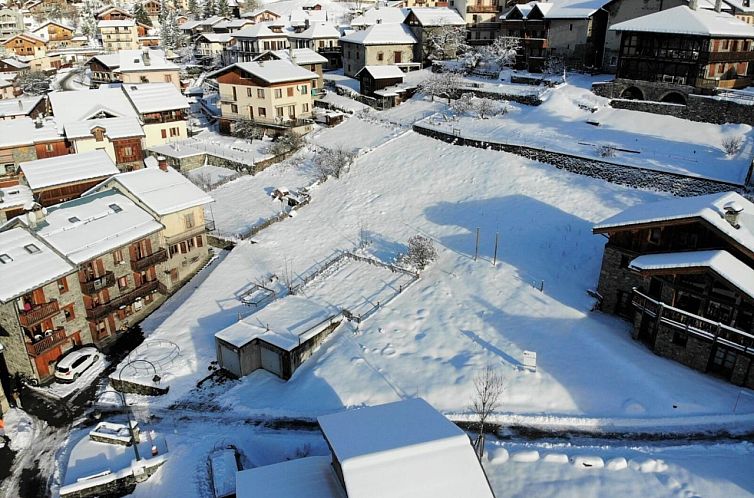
438	16
384	72
311	477
70	168
27	270
317	31
155	97
114	128
682	20
23	131
721	262
406	448
163	192
382	34
284	323
92	225
710	208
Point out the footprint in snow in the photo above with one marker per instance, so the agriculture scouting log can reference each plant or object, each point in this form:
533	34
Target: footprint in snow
357	361
388	351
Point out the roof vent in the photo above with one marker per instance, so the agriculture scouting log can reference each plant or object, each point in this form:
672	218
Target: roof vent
733	211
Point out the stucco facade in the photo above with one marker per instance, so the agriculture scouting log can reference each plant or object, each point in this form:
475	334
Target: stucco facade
356	56
163	133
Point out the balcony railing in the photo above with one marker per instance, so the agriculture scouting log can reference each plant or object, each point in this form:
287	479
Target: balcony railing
731	56
37	313
693	324
96	284
165	117
105	309
228	97
150	260
482	9
174	239
56	337
272	123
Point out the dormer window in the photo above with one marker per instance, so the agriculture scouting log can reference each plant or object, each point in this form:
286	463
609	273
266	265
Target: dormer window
31	248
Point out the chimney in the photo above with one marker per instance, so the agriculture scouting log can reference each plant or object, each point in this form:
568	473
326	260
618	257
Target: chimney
145	57
379	21
35	214
38	122
733	211
290	53
162	163
20	104
694	5
718	5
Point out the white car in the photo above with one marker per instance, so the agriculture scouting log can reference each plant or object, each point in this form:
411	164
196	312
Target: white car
75	363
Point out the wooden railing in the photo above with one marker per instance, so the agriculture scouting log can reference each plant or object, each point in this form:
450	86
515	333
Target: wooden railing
38	313
690	323
96	284
731	56
482	9
104	309
56	337
145	262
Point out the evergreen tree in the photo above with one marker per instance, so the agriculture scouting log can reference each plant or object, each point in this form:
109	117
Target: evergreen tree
193	8
223	8
163	12
209	9
88	20
141	16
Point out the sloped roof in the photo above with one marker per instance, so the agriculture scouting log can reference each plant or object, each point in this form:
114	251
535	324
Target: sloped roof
317	31
301	56
15	196
275	71
406	448
723	263
260	30
20	106
382	34
136	61
439	16
114	128
70	168
216	37
682	20
155	97
116	23
385	15
310	477
82	105
383	72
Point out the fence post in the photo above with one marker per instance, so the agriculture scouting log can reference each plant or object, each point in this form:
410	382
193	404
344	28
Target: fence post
476	250
494	257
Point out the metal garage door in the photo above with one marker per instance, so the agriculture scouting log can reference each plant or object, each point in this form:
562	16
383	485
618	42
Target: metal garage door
231	360
271	361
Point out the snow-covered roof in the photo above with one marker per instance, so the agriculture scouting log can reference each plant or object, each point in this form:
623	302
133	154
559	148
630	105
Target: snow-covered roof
406	448
383	72
741	6
232	24
111	60
382	34
224	468
162	192
317	31
438	16
15	196
119	23
216	37
27	35
275	71
571	9
30	268
86	104
682	20
20	106
310	477
92	225
260	30
144	60
721	262
710	208
385	15
71	168
114	128
15	63
155	97
16	132
189	25
285	323
211	21
301	56
42	26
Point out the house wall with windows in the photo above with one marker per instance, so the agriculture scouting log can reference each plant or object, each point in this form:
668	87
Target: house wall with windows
166	132
186	240
125	37
170	76
356	56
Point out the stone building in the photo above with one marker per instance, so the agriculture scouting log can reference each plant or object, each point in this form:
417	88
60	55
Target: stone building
429	26
378	45
682	271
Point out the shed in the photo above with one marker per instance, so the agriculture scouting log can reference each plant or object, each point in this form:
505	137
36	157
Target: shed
279	338
374	78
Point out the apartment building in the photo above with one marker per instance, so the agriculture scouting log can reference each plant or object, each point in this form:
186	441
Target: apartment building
162	110
119	35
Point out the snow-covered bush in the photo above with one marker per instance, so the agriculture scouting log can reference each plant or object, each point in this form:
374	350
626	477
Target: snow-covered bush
731	145
441	85
606	151
246	129
486	108
421	251
285	144
463	104
502	51
364	113
333	161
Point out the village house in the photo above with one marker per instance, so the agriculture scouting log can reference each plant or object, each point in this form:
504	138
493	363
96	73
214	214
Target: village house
152	7
29	46
250	42
302	57
162	110
178	205
11	22
11	65
742	9
9	88
275	94
23	140
214	46
56	34
13	201
682	271
384	83
481	16
278	338
405	448
261	15
378	15
112	13
428	25
134	66
119	35
670	54
120	137
231	25
322	38
195	28
58	179
22	107
378	45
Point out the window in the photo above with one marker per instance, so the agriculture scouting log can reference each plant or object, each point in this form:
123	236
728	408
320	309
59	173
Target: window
31	248
654	236
116	208
49	147
290	91
304	89
118	257
128	151
69	313
175	132
248	92
278	93
260	93
173	250
73	219
168	78
305	108
189	220
291	111
63	285
397	57
234	108
279	112
380	56
199	241
570	27
164	133
123	282
262	112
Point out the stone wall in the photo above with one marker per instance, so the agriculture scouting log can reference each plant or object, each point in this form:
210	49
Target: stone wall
117	487
695	354
615	277
679	185
126	386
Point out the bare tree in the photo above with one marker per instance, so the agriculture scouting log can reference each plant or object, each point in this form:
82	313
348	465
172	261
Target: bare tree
502	51
33	82
488	387
486	108
444	42
285	144
463	104
441	85
731	145
333	161
246	129
421	251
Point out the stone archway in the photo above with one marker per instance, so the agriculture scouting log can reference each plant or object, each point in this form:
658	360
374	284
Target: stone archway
674	98
632	93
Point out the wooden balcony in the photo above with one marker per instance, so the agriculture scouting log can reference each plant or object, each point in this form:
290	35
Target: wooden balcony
145	262
482	9
48	342
730	56
96	284
38	313
104	309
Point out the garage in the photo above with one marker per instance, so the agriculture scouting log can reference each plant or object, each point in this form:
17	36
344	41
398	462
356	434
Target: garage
271	360
229	359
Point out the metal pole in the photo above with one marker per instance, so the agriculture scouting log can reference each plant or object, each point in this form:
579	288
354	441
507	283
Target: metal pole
476	250
494	257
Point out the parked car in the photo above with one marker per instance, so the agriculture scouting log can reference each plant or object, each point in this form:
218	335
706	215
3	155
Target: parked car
75	363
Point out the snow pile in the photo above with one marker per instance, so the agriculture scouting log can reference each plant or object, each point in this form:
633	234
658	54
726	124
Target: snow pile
19	428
